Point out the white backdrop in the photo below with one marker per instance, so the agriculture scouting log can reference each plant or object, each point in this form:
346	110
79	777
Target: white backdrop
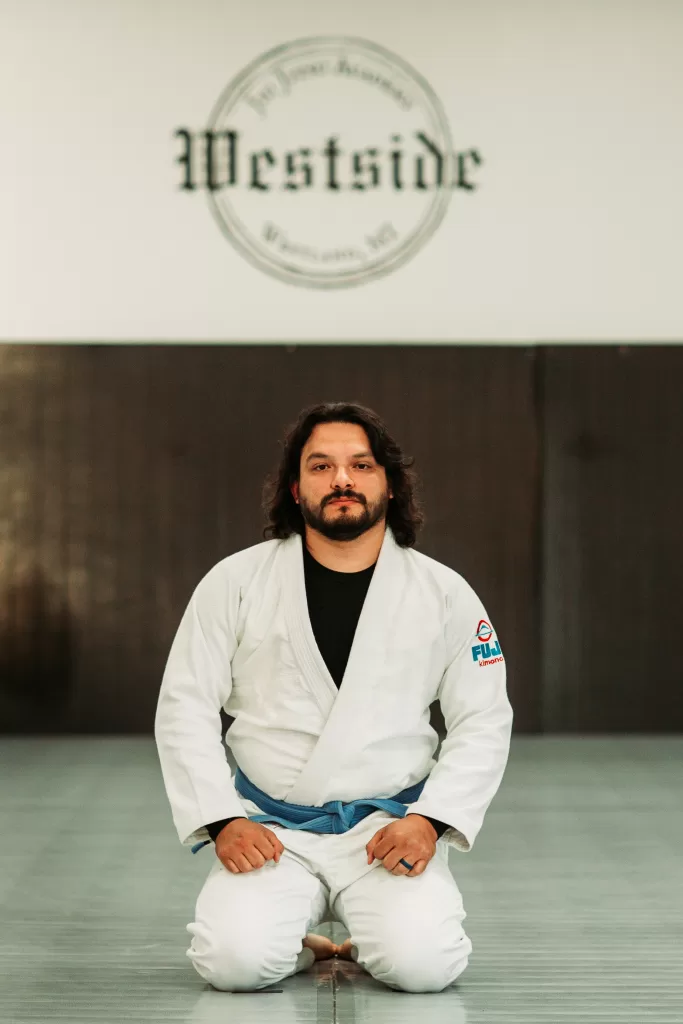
572	231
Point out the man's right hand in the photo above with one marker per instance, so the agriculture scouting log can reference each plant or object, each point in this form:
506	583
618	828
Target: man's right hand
243	845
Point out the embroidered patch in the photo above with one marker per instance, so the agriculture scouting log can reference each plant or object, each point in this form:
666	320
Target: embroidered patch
488	648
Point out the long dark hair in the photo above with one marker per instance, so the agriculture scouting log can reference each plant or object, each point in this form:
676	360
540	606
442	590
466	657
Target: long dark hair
404	514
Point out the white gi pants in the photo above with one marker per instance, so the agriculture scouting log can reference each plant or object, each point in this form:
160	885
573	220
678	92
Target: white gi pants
406	932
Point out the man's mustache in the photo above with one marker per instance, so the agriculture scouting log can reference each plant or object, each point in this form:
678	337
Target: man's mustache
342	497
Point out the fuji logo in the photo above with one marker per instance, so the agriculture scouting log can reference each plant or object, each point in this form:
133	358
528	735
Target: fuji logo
484	631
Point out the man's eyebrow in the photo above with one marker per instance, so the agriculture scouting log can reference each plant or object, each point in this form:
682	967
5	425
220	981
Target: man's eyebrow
323	455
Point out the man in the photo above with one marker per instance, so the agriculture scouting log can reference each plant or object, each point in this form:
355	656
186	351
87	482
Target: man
327	643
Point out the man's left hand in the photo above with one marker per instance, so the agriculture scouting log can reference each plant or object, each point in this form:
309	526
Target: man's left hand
412	838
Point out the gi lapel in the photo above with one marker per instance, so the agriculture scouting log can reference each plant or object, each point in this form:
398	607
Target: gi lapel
343	707
311	662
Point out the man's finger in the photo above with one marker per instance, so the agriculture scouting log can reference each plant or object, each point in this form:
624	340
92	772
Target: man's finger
381	850
278	846
255	857
265	846
384	847
418	867
400	869
373	842
372	846
392	862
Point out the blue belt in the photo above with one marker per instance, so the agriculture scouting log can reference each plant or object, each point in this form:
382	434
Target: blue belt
332	817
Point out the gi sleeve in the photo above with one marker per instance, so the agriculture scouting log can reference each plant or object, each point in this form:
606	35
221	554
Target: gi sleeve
478	716
196	684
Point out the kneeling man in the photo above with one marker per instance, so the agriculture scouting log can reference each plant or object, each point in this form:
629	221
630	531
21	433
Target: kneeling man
327	643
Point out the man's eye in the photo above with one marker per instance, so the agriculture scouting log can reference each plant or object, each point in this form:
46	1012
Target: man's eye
321	465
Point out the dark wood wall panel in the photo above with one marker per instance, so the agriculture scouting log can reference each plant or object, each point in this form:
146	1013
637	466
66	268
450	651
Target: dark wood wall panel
128	471
613	539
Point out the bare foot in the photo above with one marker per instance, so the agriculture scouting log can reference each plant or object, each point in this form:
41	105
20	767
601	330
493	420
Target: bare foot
344	951
323	948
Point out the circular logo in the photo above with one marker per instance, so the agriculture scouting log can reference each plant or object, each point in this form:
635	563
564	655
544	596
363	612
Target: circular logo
336	162
484	631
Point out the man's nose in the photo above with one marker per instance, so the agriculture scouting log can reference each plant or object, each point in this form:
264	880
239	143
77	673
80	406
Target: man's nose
342	478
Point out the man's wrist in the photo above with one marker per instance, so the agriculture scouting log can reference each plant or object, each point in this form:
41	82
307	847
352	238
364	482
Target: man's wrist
216	827
438	827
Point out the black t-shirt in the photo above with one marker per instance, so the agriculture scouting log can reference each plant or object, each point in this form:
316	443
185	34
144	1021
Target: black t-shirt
335	600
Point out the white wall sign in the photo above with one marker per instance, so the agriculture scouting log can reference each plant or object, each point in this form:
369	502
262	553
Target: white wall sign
328	162
507	171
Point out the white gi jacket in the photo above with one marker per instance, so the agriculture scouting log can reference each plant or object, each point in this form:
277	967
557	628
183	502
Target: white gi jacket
245	644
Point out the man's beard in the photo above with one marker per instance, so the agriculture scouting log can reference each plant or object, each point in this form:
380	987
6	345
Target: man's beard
343	525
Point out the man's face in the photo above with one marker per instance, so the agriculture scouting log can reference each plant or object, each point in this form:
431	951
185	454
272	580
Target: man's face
337	461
